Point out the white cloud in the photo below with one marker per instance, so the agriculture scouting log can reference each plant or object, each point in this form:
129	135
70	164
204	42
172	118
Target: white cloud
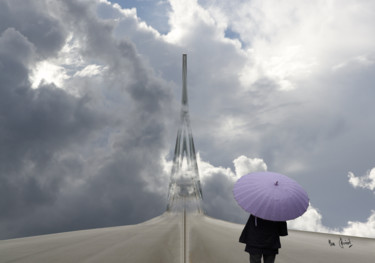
232	126
364	229
90	70
311	220
190	21
68	63
207	170
184	18
367	181
362	60
244	165
47	72
291	40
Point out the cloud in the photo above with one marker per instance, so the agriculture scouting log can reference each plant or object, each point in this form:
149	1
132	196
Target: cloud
47	73
244	165
311	220
366	181
90	70
86	151
36	127
217	187
292	40
35	23
363	229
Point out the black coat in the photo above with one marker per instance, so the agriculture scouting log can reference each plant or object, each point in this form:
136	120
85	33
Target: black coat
263	234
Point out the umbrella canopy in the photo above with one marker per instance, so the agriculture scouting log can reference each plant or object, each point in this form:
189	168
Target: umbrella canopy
271	196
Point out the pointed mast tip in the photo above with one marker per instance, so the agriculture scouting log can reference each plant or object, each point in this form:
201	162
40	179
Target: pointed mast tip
184	80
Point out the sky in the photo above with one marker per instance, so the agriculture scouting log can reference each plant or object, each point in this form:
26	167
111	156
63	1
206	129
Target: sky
90	96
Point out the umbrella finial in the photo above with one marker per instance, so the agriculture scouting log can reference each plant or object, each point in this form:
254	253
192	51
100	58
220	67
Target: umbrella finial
277	183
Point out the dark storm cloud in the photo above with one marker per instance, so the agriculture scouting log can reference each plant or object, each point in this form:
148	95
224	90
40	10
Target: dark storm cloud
34	126
218	199
31	20
68	162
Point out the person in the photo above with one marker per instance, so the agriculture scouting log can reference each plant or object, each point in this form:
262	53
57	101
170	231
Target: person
262	238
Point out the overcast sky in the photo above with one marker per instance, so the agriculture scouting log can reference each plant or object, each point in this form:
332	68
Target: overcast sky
89	104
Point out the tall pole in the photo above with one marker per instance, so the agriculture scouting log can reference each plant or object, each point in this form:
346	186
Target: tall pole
184	81
184	185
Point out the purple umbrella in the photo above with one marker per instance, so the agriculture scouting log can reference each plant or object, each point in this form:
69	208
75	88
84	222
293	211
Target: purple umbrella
271	196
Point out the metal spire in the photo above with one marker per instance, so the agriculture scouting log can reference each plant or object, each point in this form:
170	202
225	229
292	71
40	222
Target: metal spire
184	82
184	187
